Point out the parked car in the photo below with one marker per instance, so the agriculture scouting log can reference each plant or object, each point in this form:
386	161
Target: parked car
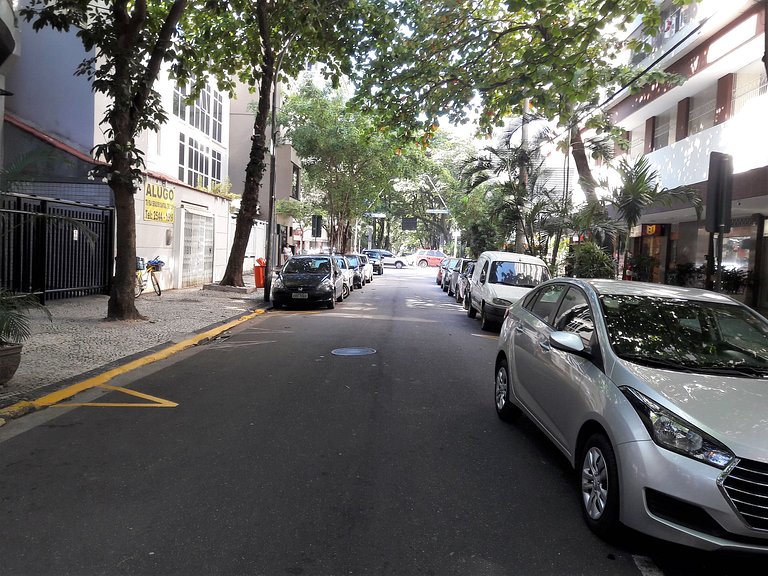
375	259
656	395
444	271
387	258
366	266
308	280
424	258
358	275
348	273
462	287
499	280
454	276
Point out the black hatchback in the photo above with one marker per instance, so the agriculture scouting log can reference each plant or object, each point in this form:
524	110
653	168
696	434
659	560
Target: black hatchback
308	280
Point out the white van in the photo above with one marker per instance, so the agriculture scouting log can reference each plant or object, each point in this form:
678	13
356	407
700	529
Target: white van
499	280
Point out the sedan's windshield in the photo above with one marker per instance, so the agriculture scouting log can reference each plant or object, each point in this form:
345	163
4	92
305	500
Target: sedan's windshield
687	335
307	266
518	274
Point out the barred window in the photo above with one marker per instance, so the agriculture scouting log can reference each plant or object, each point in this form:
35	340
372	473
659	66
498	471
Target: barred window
702	114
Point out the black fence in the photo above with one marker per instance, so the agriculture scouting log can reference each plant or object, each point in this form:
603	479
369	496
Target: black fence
55	248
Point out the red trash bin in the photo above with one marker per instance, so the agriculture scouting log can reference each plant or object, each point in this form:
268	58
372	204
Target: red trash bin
258	272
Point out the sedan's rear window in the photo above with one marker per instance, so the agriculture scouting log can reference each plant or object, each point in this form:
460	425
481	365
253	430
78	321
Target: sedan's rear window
686	334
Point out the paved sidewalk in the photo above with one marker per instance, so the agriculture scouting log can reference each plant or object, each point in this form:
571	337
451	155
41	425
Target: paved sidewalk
81	343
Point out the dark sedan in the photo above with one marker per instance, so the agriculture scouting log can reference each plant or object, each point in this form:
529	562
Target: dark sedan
308	280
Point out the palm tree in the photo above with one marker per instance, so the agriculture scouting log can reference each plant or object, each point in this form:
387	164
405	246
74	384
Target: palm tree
640	189
517	206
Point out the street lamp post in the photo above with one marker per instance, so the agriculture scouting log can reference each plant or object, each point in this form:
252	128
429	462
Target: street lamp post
272	167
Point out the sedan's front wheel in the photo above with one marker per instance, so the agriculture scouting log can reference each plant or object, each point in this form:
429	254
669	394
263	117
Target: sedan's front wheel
504	408
600	486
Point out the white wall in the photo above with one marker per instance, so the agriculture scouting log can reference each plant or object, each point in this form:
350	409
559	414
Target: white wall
745	137
166	239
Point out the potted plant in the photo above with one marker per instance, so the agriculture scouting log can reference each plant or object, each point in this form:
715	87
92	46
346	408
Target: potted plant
15	328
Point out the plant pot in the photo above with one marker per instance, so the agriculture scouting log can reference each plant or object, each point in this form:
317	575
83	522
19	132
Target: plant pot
10	357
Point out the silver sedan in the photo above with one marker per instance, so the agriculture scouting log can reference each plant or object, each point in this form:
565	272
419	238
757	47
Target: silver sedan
658	397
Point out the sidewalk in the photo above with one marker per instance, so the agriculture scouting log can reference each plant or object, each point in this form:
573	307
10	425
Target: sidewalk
80	343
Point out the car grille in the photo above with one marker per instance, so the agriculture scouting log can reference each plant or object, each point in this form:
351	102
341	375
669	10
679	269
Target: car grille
747	487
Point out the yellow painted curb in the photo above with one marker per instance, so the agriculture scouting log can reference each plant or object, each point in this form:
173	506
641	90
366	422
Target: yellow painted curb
26	406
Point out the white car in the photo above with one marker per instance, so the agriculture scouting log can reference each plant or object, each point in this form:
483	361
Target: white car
387	258
367	267
347	272
499	280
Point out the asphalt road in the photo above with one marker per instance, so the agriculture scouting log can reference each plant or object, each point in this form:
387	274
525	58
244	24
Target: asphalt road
283	457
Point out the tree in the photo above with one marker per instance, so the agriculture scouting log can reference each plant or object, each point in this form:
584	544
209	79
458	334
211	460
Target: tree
640	189
127	42
520	201
262	43
486	60
345	159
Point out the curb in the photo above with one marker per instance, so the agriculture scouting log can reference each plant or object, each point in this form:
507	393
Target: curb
24	407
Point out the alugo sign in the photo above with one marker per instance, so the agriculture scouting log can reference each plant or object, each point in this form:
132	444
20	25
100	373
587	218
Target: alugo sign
159	205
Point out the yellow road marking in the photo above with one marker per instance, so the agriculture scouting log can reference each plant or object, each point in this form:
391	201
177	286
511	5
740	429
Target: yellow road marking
155	402
21	408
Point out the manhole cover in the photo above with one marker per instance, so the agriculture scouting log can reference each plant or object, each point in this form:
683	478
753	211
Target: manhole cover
353	351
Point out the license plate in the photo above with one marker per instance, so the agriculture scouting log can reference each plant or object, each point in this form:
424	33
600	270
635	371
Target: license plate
300	295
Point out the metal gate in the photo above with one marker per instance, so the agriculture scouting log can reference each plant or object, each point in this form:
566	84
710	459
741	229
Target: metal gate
55	248
197	268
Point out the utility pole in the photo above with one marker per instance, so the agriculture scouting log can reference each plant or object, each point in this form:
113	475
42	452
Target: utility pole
522	179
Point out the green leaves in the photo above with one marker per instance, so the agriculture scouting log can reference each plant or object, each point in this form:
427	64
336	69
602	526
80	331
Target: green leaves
485	56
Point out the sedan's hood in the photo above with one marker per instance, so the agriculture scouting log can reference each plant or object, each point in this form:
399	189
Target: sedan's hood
733	410
306	280
511	293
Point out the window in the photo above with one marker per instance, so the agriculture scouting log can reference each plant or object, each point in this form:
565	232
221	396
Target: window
702	114
686	334
637	144
544	306
575	316
199	166
661	131
216	166
217	116
206	113
750	83
179	104
295	182
518	274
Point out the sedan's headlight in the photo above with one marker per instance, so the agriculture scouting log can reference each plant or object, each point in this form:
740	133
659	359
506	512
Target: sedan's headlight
501	302
277	282
327	283
673	433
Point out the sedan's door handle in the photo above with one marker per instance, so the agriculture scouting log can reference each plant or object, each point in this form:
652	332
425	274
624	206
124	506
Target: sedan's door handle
519	328
544	345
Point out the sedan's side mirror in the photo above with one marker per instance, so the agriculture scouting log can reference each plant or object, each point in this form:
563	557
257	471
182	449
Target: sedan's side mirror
567	342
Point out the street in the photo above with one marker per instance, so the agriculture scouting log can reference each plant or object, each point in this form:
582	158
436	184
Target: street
287	455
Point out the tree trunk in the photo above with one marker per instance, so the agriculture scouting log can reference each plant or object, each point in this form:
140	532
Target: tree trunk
121	304
254	171
579	153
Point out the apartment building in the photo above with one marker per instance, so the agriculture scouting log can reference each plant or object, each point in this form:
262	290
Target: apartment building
287	184
54	118
722	106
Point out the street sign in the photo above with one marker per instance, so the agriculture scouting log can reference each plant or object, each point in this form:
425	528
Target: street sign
376	214
437	211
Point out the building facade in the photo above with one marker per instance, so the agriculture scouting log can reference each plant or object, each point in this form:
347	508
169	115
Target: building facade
721	106
180	214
